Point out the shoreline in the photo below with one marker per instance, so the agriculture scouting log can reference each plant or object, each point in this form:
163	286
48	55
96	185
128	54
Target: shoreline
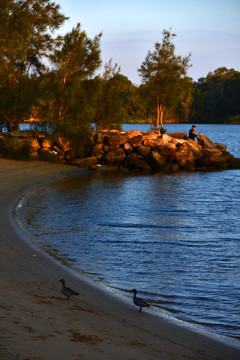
38	323
118	293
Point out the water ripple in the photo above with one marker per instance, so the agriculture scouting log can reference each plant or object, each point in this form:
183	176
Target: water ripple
176	238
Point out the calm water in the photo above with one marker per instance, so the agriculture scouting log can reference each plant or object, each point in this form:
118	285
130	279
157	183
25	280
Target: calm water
174	237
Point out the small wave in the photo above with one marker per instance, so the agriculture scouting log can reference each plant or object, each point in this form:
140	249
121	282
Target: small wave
144	226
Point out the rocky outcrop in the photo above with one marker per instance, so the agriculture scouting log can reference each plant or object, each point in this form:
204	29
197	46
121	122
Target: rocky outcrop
31	145
146	151
152	151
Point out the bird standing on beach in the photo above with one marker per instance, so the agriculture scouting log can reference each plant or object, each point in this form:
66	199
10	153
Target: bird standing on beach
66	291
138	301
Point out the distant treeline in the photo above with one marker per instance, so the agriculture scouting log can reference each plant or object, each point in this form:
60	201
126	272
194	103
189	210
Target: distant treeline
53	78
213	99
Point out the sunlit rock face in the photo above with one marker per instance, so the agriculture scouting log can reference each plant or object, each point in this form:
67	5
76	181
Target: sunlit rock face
167	152
205	142
147	151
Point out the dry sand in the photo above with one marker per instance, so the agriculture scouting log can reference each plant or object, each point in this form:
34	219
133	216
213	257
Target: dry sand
38	323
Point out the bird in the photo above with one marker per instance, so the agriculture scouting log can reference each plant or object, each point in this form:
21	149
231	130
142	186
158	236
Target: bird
66	290
138	301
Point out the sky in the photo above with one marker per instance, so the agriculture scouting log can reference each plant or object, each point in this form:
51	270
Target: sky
208	29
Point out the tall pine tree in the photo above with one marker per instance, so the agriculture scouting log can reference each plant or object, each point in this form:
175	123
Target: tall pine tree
161	74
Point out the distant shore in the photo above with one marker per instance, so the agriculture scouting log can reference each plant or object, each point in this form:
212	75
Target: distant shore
38	323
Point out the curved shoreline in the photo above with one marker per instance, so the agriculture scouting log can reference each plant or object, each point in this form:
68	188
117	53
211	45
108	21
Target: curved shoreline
39	323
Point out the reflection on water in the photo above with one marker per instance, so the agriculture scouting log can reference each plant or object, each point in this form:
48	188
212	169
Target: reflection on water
174	237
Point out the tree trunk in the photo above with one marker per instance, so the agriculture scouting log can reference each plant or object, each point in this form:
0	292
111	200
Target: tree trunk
158	115
161	115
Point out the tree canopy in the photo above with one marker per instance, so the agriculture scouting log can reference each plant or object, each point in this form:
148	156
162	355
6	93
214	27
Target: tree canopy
69	83
216	97
162	73
25	41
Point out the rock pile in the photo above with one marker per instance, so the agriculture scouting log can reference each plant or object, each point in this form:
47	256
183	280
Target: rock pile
155	152
148	151
37	145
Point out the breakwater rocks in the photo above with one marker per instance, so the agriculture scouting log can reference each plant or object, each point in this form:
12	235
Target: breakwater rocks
147	151
152	151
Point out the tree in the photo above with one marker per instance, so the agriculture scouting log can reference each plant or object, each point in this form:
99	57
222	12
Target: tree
111	97
71	90
161	73
216	97
25	42
185	100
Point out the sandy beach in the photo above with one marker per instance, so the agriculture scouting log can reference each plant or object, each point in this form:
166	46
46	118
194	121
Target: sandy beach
37	323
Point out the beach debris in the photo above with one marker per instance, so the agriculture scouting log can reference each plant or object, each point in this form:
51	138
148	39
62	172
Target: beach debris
66	291
138	301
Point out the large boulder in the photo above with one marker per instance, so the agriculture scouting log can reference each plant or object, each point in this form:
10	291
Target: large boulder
128	147
221	147
156	160
116	139
144	150
31	143
205	142
136	140
24	133
150	135
64	144
115	156
48	155
10	144
214	163
179	135
185	159
211	152
132	133
61	154
47	143
107	148
194	147
136	161
153	142
215	159
226	156
167	149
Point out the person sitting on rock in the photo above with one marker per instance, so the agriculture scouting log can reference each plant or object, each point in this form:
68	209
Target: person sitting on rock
192	133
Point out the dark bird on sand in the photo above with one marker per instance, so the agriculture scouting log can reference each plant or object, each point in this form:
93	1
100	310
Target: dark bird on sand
138	301
66	291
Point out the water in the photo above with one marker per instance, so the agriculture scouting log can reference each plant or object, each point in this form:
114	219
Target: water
174	237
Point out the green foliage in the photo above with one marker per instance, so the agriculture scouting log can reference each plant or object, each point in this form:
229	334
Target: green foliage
79	136
113	95
216	97
233	119
70	93
162	73
25	33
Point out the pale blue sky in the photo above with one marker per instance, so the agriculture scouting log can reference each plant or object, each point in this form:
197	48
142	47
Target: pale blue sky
209	29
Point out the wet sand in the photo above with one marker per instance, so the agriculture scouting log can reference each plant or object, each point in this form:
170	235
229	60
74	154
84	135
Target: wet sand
38	323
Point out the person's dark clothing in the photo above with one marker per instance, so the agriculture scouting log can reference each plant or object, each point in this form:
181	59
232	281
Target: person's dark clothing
192	135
